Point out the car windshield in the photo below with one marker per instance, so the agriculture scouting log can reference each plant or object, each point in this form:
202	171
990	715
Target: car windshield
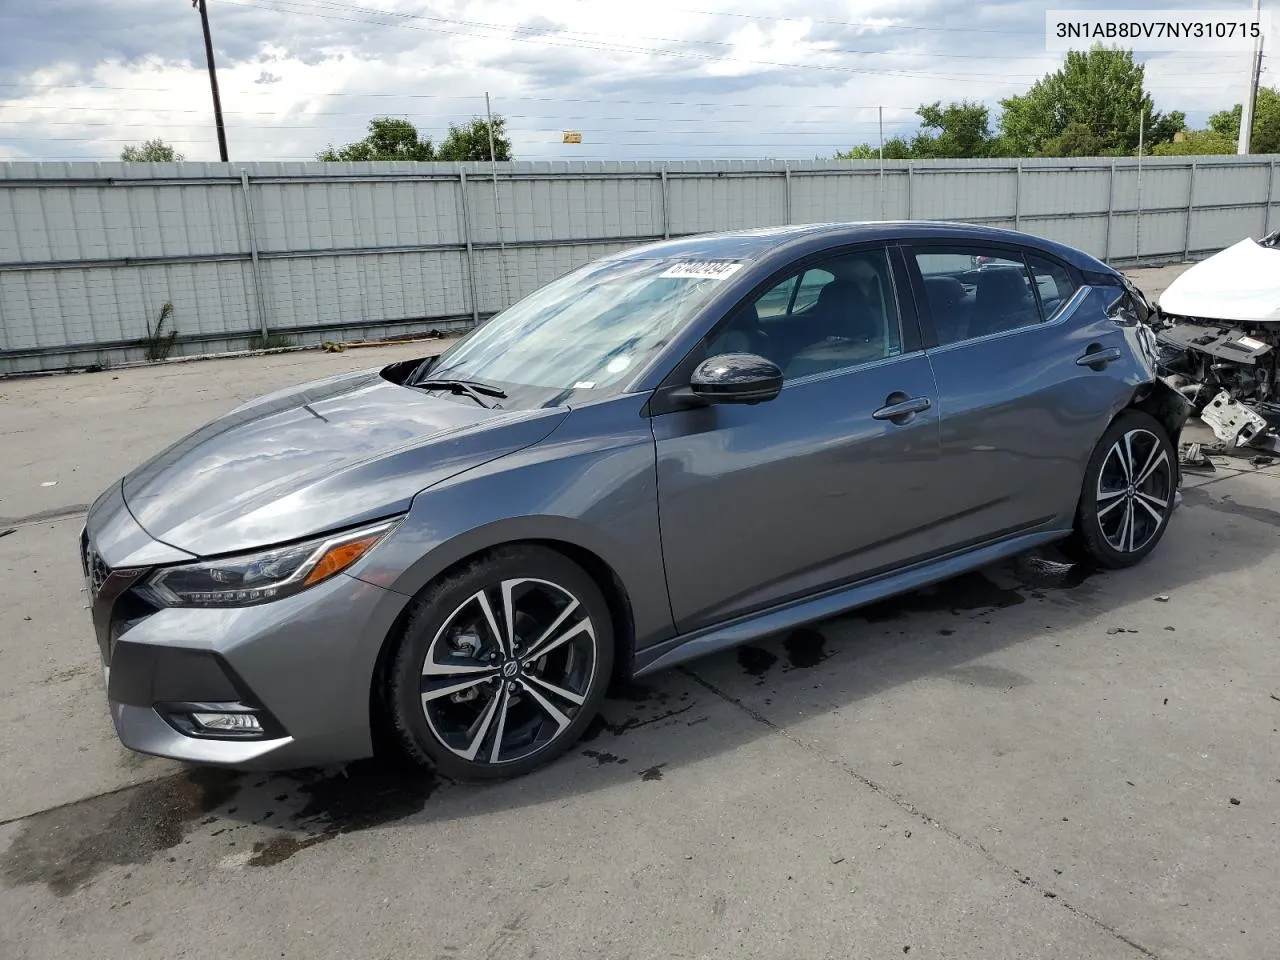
588	329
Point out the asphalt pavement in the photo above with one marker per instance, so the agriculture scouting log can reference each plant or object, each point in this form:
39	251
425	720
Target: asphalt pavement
1030	761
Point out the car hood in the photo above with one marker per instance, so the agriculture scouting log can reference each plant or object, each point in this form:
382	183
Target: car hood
314	458
1240	284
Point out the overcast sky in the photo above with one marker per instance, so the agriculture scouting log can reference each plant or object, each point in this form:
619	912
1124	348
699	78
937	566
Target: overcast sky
641	80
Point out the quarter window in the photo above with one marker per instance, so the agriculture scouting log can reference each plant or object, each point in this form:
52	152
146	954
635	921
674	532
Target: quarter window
1053	282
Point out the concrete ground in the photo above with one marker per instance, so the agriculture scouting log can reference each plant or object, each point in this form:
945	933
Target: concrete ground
1025	762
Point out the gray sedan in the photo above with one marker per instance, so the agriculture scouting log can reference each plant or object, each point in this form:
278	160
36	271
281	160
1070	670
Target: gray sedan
664	453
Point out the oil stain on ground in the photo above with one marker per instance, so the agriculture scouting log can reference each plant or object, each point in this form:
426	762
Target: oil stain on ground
967	592
599	724
756	661
805	648
67	847
363	794
1201	498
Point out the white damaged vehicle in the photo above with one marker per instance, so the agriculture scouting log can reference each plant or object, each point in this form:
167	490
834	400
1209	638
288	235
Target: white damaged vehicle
1219	337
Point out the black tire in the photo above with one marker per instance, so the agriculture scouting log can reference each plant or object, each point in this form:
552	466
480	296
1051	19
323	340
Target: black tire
1109	500
475	697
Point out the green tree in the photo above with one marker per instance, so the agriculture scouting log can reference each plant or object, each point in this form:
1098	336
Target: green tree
152	151
1092	105
1197	143
895	148
471	141
957	130
1266	123
390	138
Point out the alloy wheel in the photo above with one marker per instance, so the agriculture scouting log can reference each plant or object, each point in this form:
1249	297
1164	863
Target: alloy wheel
1134	491
508	671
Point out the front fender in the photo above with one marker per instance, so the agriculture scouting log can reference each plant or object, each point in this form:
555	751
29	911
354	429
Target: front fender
591	484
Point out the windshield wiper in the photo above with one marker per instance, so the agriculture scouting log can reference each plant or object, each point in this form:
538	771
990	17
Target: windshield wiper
474	389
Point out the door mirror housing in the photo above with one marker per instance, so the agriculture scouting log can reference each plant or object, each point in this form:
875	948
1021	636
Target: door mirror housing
736	378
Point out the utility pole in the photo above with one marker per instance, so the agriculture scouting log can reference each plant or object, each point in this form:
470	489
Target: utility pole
880	114
1246	110
213	78
497	209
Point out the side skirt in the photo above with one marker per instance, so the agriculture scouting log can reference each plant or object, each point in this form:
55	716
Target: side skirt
839	600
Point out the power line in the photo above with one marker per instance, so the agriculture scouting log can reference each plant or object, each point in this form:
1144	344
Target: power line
651	51
568	34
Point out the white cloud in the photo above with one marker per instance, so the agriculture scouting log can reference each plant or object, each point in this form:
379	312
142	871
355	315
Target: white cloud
641	80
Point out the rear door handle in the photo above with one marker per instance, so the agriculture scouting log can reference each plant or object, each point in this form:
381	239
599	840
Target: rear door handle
900	408
1097	358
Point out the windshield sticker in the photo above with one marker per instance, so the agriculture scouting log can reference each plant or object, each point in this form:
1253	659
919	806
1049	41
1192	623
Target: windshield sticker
703	270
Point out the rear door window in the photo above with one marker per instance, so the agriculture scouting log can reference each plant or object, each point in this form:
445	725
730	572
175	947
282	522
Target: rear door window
973	291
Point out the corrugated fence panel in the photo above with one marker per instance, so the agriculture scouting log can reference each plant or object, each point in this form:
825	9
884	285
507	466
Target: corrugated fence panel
1216	229
980	194
1217	185
1084	232
332	291
91	252
1049	192
702	204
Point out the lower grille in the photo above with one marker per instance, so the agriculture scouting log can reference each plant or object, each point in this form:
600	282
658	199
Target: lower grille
96	571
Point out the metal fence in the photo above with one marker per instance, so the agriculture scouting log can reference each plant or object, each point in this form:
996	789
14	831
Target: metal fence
271	253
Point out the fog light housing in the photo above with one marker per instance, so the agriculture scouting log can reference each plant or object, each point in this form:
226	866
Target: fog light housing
228	722
231	720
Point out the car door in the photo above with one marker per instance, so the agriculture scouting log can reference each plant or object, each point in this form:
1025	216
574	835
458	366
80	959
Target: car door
1005	328
832	480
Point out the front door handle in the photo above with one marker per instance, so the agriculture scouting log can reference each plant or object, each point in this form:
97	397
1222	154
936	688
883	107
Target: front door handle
1096	358
900	409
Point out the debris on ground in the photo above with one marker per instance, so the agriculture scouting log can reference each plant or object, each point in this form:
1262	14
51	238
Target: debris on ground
8	530
1234	423
1193	457
1235	802
1163	598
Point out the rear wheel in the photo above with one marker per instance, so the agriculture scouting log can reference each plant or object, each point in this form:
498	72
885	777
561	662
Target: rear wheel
1128	495
501	665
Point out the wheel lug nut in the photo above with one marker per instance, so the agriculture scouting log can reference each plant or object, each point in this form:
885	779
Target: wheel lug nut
513	686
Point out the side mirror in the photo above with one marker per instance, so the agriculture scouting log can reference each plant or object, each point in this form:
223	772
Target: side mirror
736	378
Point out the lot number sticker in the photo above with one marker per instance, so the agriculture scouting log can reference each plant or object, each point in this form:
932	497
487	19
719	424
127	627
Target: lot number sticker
703	270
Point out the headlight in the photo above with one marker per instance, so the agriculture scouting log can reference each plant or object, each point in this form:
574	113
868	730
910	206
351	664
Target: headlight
264	576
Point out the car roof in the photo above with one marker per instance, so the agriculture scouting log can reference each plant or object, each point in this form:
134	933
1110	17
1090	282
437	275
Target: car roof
758	243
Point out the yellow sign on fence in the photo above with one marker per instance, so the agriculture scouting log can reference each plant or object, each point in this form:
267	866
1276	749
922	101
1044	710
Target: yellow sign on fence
573	136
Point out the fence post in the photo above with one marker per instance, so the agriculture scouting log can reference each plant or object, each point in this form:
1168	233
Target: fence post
1191	208
1266	217
911	178
1111	207
471	254
787	168
253	255
1017	198
666	206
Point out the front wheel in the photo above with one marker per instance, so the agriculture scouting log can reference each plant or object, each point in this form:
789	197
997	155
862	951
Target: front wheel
1128	495
501	665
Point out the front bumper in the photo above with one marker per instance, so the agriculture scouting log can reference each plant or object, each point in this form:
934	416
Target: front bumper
304	664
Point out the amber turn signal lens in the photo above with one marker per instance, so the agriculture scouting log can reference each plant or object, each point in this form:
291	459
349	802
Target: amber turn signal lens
336	559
